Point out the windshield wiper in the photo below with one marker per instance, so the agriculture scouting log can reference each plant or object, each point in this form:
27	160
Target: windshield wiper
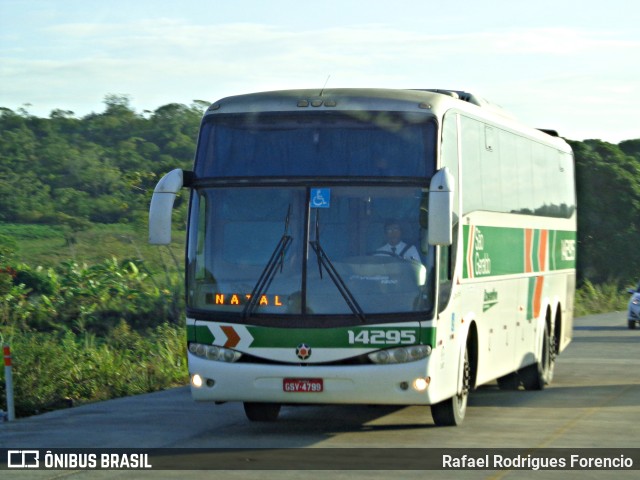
324	261
270	269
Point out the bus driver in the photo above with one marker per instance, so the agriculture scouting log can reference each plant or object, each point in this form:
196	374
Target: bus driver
395	246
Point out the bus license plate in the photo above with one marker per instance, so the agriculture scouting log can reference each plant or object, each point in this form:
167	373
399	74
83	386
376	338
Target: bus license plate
307	385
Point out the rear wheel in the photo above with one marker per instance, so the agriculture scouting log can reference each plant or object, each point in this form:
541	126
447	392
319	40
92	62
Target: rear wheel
632	324
536	376
451	412
261	412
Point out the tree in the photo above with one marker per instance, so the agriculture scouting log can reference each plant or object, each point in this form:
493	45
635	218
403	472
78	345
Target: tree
631	148
102	167
608	188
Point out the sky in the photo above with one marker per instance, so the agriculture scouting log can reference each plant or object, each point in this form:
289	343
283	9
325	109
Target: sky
568	65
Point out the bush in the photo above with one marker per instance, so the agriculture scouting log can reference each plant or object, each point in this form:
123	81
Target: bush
93	299
51	372
591	299
83	333
37	281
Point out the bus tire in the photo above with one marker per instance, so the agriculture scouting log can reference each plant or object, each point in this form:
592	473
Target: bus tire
538	375
261	412
451	412
632	324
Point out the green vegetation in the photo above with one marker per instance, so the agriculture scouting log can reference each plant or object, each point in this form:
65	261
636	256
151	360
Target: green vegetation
608	185
92	312
90	309
602	298
73	172
60	370
84	333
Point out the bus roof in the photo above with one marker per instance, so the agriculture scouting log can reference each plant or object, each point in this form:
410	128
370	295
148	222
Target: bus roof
437	101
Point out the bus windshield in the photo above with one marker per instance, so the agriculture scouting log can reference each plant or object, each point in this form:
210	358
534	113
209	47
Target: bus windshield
347	251
360	144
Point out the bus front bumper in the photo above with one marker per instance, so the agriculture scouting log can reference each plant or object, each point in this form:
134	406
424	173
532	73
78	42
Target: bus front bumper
395	384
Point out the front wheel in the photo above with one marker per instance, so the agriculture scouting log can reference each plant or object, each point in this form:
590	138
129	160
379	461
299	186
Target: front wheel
632	324
451	412
261	412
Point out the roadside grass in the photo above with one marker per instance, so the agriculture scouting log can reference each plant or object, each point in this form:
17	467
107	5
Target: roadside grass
603	298
48	246
66	369
90	315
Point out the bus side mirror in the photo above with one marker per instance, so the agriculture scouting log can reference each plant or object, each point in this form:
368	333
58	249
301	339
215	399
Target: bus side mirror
161	207
441	208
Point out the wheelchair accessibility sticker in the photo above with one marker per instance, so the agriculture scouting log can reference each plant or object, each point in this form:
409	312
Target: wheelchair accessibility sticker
320	197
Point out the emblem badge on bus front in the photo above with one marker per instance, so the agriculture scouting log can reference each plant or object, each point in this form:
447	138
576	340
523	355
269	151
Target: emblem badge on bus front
303	351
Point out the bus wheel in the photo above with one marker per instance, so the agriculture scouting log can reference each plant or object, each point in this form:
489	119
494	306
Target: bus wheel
632	324
536	376
451	412
261	412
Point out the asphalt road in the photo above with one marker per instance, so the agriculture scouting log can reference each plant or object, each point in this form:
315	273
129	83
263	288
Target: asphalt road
594	402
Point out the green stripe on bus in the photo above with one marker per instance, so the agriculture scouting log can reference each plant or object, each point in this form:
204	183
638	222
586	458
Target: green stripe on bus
343	337
530	296
496	251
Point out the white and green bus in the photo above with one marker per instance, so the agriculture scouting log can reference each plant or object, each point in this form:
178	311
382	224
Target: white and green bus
293	293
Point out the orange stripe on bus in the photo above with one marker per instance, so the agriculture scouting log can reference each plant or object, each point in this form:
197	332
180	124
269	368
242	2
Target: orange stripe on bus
528	246
537	297
542	250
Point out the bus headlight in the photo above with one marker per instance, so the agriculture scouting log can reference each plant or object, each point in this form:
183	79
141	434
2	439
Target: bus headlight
401	354
196	380
421	384
213	352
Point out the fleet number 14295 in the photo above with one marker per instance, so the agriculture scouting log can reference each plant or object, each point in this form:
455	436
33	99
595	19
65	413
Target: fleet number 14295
381	337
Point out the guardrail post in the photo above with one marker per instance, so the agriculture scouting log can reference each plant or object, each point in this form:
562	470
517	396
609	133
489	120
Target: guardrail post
8	378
